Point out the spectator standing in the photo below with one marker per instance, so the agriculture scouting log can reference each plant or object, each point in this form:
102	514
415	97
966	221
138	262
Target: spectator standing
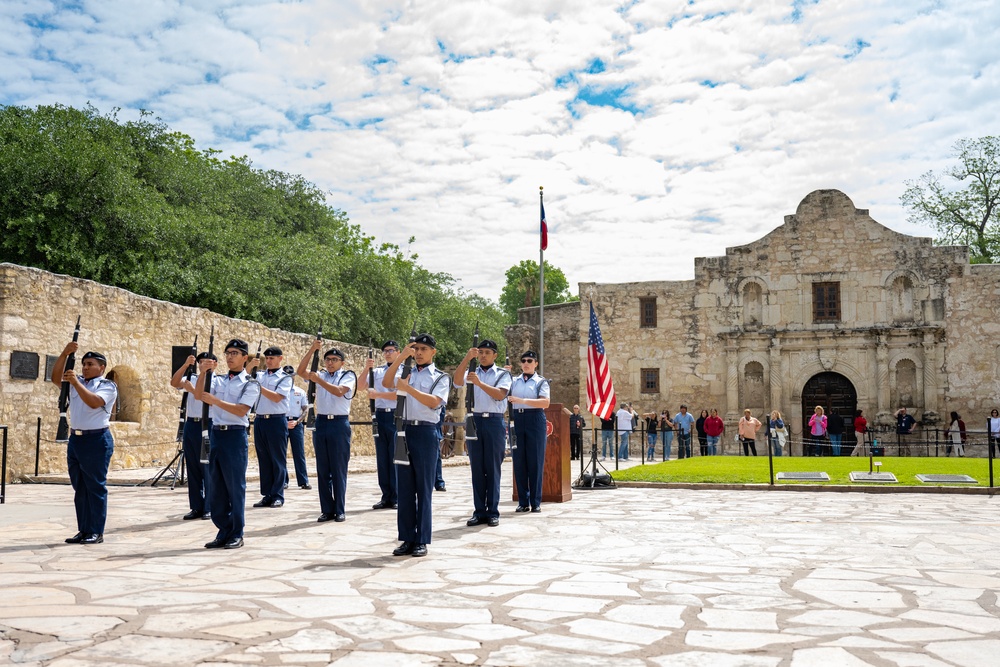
747	429
651	424
666	433
714	428
776	432
624	416
576	426
994	429
699	426
817	430
956	435
607	437
904	427
860	427
684	421
835	429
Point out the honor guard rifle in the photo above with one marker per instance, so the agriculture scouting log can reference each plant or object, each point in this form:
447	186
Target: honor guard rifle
371	387
311	390
470	397
401	454
184	394
62	431
510	408
205	442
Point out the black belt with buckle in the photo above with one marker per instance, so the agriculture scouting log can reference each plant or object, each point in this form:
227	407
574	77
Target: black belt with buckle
487	415
270	415
332	416
385	409
417	422
89	431
527	409
229	427
194	419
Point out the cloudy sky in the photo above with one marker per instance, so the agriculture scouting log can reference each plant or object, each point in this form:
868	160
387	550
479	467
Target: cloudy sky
661	129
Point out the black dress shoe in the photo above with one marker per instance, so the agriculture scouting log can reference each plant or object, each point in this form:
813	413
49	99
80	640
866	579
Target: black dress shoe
475	521
419	550
339	517
536	509
404	549
305	486
493	522
440	487
216	544
92	538
75	539
523	508
234	543
205	516
323	518
382	505
193	514
278	503
263	502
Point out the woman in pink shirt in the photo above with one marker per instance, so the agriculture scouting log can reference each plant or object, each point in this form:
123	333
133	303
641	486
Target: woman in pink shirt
748	427
817	428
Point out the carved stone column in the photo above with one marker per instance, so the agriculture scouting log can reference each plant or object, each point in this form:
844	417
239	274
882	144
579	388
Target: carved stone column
776	375
881	374
930	373
732	382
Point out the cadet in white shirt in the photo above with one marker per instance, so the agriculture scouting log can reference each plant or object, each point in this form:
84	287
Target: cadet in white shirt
530	396
426	390
490	387
199	494
270	428
385	409
298	405
335	388
91	399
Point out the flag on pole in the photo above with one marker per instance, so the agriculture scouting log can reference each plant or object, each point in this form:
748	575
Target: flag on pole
600	389
544	229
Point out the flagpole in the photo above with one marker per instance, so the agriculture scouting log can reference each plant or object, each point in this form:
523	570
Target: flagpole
541	284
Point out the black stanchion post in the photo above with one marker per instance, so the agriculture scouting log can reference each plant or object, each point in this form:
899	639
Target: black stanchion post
871	451
616	447
989	445
770	454
3	469
38	443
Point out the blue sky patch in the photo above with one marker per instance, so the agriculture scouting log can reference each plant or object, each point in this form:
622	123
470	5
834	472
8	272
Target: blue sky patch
617	98
857	47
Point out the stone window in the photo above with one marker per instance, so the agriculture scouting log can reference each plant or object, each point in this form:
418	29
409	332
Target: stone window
649	381
753	304
826	302
902	299
647	312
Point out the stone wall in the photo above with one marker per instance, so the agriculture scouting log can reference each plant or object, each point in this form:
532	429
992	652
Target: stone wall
917	325
562	342
37	312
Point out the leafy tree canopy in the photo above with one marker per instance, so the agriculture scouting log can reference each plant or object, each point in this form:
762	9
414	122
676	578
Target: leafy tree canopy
521	288
963	203
137	206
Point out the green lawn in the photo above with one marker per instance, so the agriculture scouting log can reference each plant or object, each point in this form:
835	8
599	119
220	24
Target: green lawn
753	470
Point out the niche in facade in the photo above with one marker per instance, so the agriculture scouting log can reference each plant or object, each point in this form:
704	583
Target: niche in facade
753	391
129	394
901	299
753	304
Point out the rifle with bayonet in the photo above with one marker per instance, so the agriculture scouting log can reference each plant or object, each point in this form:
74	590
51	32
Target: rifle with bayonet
205	441
470	397
184	394
401	454
311	390
62	431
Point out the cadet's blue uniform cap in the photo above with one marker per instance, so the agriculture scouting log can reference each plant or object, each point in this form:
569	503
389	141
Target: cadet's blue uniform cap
426	339
334	352
530	354
98	356
289	370
272	352
487	344
390	343
206	355
237	344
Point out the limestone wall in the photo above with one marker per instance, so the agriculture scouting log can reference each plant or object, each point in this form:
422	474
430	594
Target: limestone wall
37	312
562	343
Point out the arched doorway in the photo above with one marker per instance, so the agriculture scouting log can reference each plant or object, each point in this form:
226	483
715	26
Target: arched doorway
836	394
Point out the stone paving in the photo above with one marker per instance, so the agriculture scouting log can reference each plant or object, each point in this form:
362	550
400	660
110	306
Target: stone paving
629	577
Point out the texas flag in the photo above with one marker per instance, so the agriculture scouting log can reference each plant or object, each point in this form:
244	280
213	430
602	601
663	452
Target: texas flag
543	229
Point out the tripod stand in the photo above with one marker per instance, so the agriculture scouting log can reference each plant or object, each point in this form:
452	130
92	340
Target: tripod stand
175	468
590	478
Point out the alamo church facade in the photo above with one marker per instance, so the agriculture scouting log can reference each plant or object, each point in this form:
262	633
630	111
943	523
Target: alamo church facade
831	308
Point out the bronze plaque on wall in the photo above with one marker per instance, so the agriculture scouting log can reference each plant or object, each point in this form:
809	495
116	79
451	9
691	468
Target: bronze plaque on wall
24	365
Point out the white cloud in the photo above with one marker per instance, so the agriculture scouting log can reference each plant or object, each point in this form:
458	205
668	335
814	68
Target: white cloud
440	119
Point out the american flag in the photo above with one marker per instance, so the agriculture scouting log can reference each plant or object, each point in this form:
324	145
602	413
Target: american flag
600	389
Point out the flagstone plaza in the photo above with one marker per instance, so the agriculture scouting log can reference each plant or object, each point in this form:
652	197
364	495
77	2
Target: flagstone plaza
626	577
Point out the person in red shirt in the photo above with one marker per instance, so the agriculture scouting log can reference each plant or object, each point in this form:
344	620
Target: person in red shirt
860	427
714	428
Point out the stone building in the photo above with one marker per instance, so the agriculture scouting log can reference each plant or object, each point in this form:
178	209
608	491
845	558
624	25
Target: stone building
37	312
831	308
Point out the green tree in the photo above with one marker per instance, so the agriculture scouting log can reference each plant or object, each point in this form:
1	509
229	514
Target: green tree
521	288
967	216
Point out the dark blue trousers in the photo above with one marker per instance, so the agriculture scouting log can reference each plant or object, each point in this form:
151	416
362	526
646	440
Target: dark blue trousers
385	446
416	485
227	465
529	457
485	457
88	457
270	441
297	439
199	495
332	442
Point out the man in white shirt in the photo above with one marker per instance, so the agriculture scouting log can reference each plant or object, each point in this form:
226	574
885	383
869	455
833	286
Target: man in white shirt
624	418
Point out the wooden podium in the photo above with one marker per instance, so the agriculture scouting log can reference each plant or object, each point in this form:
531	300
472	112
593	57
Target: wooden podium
556	476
